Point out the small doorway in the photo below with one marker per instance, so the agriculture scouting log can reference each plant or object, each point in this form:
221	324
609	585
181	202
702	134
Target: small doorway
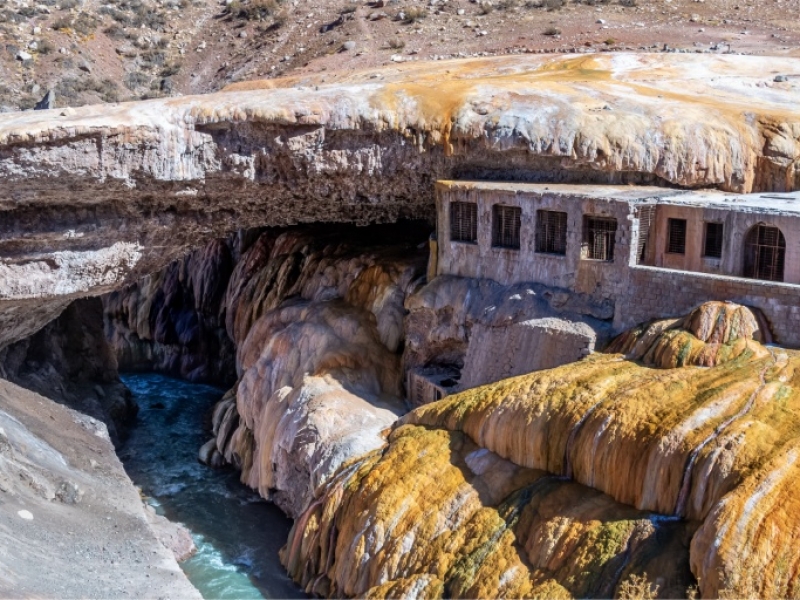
764	253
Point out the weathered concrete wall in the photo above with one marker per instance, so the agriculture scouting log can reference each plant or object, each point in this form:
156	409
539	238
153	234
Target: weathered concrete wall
508	266
737	222
649	293
501	352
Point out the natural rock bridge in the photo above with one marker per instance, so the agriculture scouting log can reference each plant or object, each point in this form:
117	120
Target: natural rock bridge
96	196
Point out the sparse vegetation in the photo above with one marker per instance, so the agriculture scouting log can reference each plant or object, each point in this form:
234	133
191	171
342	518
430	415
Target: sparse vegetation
135	79
413	14
70	88
485	8
637	587
628	3
551	31
396	44
45	47
254	10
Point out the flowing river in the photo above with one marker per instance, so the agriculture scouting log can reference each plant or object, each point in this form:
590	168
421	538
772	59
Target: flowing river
237	534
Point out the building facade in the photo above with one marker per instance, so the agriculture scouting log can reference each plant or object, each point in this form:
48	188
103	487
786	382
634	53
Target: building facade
652	252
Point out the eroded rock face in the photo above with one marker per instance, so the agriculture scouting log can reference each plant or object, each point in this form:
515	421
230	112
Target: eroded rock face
73	524
173	320
107	195
316	315
490	332
70	361
714	446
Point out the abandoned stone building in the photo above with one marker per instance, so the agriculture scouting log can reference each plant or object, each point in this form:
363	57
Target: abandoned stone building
653	252
650	252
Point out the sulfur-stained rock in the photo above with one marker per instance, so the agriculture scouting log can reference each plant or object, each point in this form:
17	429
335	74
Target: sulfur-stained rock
628	465
434	515
713	333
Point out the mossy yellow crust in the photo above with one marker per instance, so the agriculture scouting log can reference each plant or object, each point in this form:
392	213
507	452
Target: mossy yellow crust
429	518
535	486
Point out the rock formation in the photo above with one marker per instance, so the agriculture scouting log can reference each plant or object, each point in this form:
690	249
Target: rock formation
173	320
673	447
106	195
488	332
316	315
72	523
70	361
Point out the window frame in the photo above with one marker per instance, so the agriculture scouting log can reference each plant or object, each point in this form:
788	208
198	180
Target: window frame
669	248
721	226
551	239
500	212
460	205
610	235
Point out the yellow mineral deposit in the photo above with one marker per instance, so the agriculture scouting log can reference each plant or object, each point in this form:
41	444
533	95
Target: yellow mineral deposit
675	455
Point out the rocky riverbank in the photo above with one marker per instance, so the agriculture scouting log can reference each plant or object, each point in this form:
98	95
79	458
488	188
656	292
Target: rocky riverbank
73	525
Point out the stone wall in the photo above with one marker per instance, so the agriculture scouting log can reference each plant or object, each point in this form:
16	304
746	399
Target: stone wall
652	292
508	266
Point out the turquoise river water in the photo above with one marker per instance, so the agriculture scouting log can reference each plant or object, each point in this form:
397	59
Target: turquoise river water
237	534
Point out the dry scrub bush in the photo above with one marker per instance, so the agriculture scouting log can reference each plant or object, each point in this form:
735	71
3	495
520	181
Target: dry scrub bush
637	587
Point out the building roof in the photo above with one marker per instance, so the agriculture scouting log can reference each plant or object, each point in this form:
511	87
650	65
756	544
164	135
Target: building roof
763	202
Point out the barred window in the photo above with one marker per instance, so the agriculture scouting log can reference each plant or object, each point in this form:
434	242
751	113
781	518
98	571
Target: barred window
464	222
676	236
646	216
506	226
598	237
764	253
712	247
551	232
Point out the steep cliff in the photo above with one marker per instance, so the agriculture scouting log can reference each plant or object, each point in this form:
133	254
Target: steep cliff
712	446
96	197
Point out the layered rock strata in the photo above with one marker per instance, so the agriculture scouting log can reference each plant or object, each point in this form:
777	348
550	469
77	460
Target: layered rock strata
97	196
674	444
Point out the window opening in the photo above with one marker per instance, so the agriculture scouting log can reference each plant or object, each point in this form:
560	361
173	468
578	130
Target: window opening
676	236
646	216
464	222
506	226
764	253
712	248
551	232
598	237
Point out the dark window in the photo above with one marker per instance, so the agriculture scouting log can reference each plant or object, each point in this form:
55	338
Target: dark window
598	237
506	226
551	232
764	253
712	248
646	216
676	236
464	222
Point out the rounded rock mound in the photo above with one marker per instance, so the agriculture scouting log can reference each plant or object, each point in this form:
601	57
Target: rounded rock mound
712	334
